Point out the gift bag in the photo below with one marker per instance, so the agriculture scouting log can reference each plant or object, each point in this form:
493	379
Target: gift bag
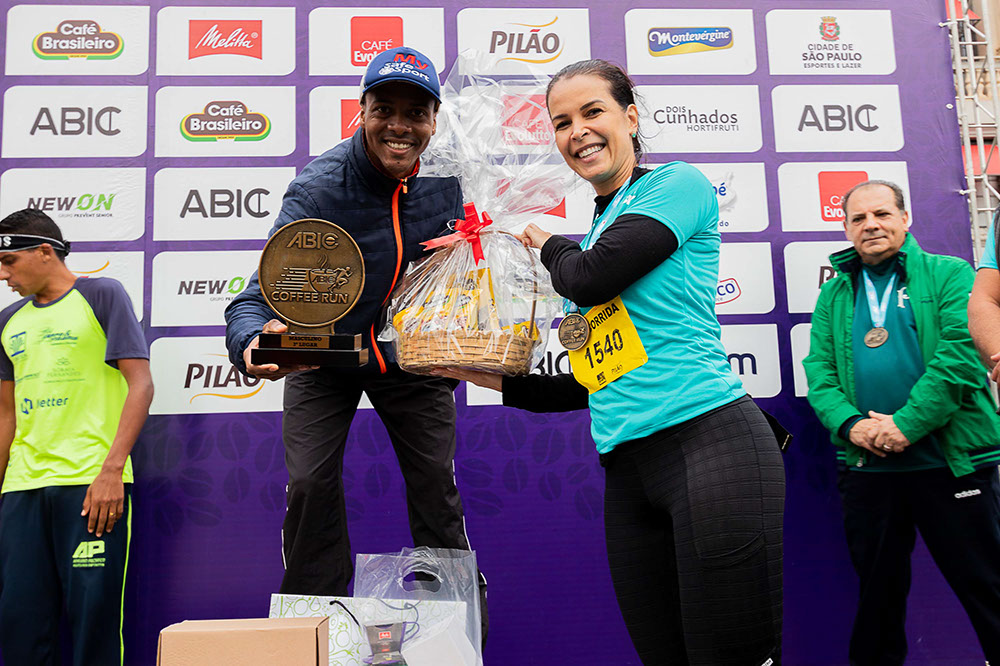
422	575
348	645
481	300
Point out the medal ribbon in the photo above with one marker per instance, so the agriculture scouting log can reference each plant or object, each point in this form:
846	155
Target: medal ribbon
597	228
878	308
465	229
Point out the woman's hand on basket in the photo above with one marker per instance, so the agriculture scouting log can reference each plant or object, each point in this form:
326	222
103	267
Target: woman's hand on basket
533	236
477	377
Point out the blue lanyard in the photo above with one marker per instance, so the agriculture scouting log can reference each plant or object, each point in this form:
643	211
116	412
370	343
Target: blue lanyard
600	223
878	309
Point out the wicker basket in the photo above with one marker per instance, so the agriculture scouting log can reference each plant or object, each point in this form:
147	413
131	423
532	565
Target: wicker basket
505	352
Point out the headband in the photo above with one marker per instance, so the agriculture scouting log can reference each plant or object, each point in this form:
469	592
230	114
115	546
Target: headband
15	242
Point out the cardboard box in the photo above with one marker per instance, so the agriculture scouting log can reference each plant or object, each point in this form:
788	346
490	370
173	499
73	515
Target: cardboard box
270	642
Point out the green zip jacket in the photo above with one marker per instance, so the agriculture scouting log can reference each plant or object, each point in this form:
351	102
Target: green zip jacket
951	399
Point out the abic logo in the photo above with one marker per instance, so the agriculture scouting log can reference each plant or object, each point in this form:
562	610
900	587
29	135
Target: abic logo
74	120
527	43
674	41
242	38
224	203
225	120
78	39
839	117
832	187
370	35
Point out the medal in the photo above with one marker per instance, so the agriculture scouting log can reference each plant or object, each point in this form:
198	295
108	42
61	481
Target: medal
574	330
878	309
876	337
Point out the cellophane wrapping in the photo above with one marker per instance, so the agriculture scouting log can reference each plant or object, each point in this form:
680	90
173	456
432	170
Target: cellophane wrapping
449	310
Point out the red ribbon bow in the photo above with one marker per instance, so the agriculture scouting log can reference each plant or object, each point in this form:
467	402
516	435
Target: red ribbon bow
465	229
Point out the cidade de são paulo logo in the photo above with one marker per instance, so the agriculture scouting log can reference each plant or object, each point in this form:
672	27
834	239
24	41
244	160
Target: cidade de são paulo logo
235	37
371	35
225	120
674	41
802	41
78	39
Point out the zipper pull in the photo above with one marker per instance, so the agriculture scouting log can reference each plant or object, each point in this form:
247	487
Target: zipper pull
404	184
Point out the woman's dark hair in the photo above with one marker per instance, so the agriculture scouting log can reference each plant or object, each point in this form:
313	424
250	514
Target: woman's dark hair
621	85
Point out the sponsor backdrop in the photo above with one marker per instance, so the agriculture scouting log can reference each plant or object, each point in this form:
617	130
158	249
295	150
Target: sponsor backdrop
161	137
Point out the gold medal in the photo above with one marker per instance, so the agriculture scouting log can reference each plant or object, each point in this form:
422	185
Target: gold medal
876	337
574	330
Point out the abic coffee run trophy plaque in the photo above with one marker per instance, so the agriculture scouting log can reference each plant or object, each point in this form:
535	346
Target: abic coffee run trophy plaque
311	273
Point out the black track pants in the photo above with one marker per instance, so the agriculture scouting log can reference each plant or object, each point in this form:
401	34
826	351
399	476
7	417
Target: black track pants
693	521
49	560
419	414
959	520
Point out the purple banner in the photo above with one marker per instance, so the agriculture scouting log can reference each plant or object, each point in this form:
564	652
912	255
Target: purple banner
161	137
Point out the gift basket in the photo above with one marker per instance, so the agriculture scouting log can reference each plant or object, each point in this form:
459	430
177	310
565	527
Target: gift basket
480	299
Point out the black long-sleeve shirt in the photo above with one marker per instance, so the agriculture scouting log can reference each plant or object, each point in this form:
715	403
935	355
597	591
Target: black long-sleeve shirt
630	247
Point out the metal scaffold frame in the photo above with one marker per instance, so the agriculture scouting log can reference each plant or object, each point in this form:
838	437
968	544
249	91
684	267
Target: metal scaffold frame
978	107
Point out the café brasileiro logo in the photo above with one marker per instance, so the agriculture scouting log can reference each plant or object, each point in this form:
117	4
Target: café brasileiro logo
225	120
81	38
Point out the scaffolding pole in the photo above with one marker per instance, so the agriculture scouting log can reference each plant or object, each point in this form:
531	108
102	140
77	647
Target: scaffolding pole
977	118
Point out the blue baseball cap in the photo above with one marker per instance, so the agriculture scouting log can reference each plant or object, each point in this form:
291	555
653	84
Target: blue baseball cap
402	64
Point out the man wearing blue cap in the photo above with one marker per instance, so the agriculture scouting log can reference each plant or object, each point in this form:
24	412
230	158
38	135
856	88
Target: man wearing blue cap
369	186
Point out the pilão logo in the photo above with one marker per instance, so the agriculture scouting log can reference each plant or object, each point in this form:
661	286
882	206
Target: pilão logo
527	43
829	29
675	41
221	379
225	120
78	39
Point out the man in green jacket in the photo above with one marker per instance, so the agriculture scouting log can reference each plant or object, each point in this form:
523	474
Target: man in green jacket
894	377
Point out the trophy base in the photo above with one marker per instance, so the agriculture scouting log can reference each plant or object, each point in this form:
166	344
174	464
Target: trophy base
342	351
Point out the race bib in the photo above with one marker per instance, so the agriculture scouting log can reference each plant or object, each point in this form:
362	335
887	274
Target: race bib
612	350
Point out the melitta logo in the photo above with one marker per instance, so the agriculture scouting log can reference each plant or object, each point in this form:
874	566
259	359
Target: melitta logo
697	120
224	203
727	291
527	43
674	41
832	187
524	121
74	120
384	635
370	35
839	118
78	39
231	286
217	376
829	30
242	38
83	205
350	117
225	120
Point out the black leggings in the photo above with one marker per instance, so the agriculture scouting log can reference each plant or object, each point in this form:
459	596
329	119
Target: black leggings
693	522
